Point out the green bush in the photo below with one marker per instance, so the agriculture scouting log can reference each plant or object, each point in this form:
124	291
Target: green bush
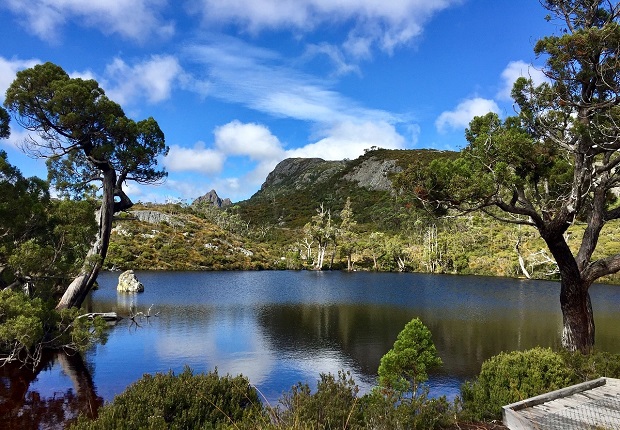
334	405
29	326
510	377
405	366
592	366
385	410
186	401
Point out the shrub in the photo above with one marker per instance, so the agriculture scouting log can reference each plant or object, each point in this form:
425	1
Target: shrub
405	366
385	410
29	326
398	402
186	401
510	377
592	366
333	406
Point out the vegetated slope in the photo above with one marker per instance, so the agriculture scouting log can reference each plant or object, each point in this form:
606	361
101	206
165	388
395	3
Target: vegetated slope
297	186
392	232
172	237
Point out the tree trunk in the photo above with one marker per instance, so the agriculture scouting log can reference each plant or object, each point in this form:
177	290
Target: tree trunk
83	282
320	257
578	320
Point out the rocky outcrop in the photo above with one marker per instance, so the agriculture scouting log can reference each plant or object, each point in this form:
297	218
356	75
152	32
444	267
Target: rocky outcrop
211	198
156	217
298	173
374	174
128	283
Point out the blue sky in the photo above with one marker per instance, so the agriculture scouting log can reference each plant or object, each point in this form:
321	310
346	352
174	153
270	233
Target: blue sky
239	85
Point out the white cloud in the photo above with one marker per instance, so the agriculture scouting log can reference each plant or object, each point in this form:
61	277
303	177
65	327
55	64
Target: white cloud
197	159
152	79
335	55
515	70
464	113
386	23
260	79
253	140
9	69
18	137
349	139
132	19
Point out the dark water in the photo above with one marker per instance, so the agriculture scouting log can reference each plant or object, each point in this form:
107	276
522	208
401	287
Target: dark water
278	328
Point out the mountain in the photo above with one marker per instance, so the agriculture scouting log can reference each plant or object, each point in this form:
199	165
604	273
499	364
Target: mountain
295	188
211	198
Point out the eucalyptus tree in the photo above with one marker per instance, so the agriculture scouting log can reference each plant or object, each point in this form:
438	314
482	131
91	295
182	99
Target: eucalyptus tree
322	230
556	161
346	234
88	142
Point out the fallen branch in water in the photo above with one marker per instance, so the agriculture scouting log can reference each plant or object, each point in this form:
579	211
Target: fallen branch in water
107	316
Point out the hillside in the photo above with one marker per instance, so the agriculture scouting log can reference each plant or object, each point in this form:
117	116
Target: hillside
389	231
296	187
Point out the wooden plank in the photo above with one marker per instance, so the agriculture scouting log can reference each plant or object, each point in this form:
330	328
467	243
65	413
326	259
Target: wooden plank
591	404
563	392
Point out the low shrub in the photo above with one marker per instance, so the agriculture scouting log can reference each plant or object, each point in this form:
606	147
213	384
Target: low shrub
592	366
29	326
386	410
334	405
186	401
510	377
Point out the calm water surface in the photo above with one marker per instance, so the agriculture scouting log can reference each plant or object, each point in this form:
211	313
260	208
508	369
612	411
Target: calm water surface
278	328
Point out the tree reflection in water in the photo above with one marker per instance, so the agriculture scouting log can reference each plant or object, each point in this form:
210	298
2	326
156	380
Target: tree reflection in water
23	408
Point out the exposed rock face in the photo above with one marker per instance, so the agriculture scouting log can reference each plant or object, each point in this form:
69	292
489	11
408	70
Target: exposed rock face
298	173
128	283
212	198
373	174
155	217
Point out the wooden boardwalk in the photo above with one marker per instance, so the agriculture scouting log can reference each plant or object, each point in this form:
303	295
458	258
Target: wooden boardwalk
590	405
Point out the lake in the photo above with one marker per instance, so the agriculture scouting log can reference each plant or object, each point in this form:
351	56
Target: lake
281	327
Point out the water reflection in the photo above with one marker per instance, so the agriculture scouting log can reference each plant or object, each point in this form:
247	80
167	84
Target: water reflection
279	328
25	404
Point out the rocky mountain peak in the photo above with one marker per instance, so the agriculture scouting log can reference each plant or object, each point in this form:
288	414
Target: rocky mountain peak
297	173
213	199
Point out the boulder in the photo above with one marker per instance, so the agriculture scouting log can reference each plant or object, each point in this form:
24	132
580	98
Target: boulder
127	282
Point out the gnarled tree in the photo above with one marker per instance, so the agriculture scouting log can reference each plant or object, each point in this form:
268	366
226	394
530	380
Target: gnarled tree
88	140
555	162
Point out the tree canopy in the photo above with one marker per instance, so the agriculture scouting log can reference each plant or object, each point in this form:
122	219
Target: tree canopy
556	161
91	146
5	131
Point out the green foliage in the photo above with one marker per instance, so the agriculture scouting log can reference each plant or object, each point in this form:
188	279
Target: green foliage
585	367
334	405
5	130
21	321
384	410
184	401
510	377
406	365
42	241
27	326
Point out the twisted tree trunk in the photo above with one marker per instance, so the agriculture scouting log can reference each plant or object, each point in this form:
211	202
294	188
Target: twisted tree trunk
80	286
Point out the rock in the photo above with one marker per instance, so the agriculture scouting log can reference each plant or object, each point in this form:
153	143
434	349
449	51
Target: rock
211	198
127	282
374	173
299	173
156	217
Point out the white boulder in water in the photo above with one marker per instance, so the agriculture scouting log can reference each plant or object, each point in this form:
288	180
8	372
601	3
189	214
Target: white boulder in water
127	282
